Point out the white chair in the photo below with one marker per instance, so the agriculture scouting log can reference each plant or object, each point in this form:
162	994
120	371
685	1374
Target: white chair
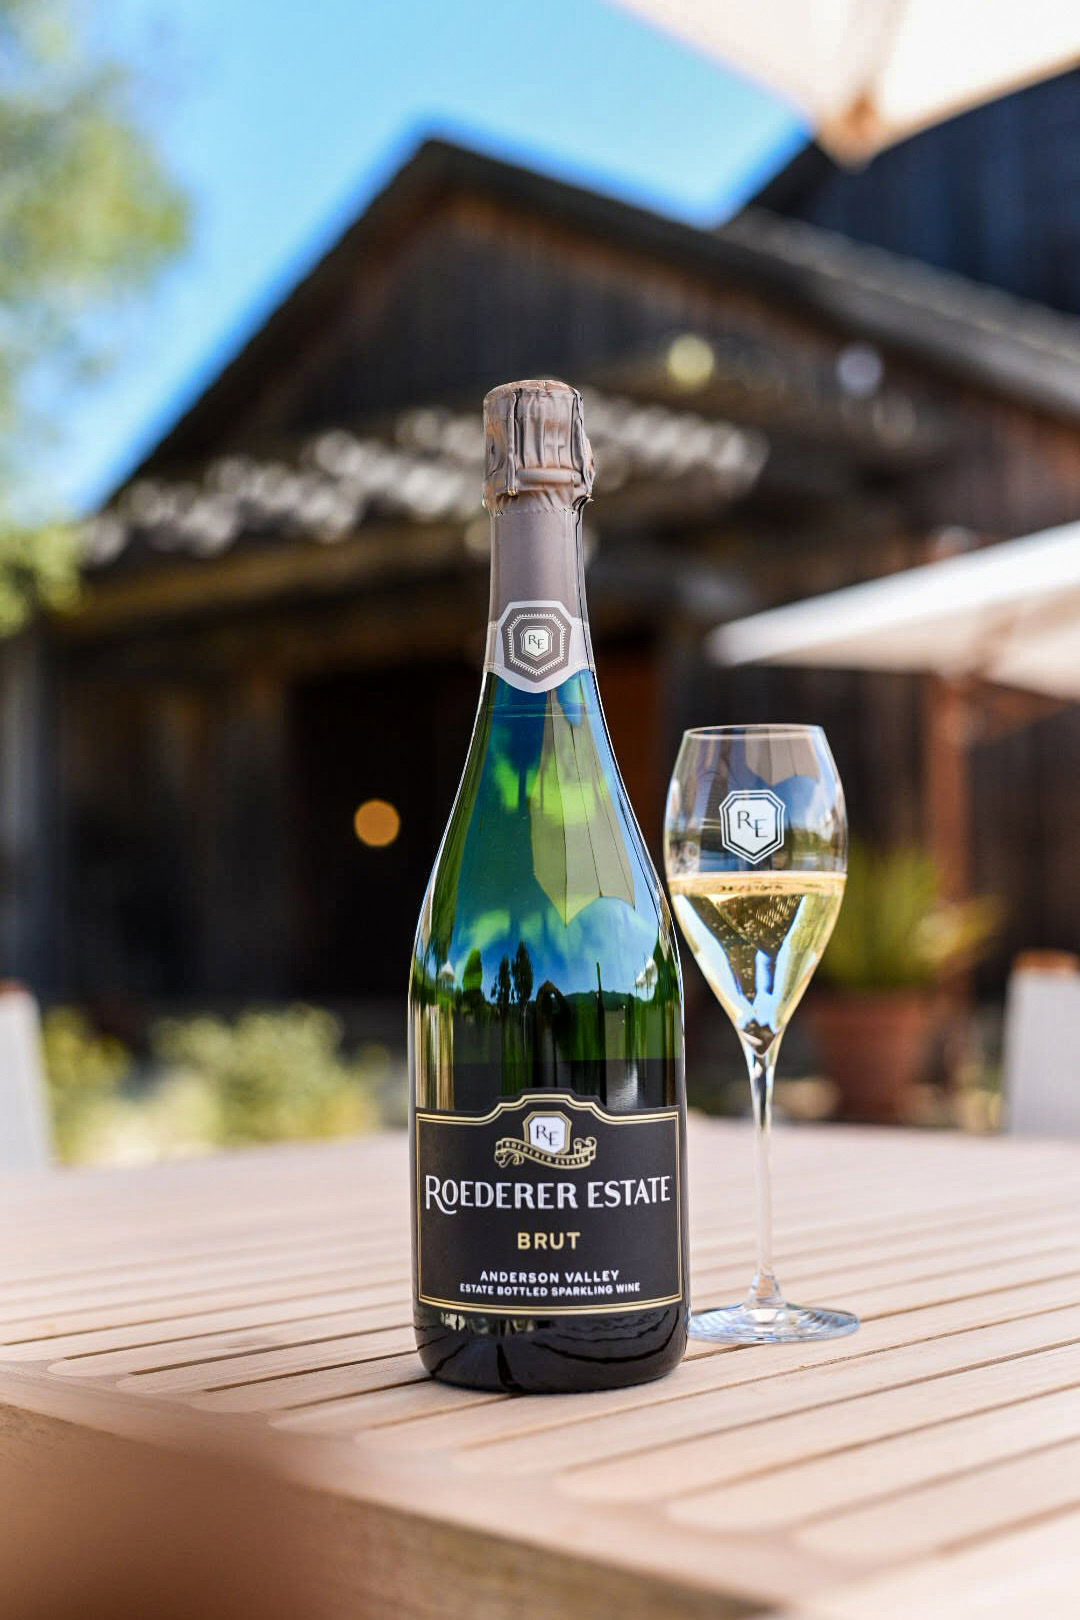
1041	1058
24	1127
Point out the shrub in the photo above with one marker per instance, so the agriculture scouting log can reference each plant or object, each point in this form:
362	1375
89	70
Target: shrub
267	1076
270	1075
895	931
84	1072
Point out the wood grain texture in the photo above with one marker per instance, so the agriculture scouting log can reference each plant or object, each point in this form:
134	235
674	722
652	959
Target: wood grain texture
261	1303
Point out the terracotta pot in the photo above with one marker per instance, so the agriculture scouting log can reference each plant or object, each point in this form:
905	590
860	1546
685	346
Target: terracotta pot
874	1045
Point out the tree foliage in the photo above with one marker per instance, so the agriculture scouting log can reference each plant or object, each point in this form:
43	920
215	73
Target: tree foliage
87	216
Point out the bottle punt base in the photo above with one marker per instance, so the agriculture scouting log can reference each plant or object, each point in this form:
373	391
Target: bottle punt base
554	1356
781	1323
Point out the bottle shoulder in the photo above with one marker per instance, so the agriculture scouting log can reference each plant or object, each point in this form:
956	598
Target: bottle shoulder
542	853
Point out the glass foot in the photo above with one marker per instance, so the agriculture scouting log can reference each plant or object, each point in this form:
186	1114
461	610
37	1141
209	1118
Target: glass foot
770	1324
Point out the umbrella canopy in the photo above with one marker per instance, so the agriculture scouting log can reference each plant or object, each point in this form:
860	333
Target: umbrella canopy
866	73
1009	613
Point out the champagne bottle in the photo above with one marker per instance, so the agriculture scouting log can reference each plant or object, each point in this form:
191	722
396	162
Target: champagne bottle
545	1001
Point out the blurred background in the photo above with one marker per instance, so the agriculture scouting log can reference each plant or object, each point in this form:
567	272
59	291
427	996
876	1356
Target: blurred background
258	266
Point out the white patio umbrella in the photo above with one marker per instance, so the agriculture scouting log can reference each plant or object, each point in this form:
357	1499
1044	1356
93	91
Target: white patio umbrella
866	73
1009	614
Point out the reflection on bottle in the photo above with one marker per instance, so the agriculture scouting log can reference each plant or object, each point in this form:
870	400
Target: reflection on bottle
544	875
552	1018
577	843
501	993
522	975
472	985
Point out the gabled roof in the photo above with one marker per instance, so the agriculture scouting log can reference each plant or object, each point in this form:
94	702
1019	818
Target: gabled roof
972	331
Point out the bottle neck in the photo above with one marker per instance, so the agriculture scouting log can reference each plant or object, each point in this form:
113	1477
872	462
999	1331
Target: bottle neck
538	622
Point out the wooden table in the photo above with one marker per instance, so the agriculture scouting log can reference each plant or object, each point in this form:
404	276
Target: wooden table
927	1466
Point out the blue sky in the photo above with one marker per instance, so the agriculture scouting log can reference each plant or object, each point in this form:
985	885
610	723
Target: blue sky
281	118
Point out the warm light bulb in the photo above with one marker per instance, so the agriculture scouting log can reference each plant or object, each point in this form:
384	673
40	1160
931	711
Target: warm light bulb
376	823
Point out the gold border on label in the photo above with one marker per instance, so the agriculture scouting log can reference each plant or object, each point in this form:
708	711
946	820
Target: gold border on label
539	1309
566	1097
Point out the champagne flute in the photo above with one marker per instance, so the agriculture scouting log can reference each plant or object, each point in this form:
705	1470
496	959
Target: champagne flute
755	847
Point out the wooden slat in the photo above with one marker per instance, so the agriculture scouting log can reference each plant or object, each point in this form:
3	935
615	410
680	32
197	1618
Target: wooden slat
151	1309
698	1441
468	1430
163	1356
849	1476
267	1296
947	1513
1030	1571
172	1330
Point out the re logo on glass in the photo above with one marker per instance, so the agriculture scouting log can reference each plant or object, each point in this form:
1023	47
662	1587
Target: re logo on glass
752	824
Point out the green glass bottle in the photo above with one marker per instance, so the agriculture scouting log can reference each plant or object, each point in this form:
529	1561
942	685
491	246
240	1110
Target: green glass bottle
545	1000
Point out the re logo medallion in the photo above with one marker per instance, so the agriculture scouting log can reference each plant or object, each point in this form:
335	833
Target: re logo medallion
752	824
536	641
546	1139
549	1132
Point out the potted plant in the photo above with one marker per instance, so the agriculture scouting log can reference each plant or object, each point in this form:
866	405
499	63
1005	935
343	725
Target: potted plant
876	1007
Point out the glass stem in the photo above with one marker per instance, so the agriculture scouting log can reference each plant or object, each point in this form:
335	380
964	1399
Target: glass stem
764	1290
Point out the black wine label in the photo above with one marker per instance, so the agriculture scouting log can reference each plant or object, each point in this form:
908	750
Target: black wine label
548	1205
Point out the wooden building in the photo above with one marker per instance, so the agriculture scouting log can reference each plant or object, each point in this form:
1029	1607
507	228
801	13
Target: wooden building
993	194
285	604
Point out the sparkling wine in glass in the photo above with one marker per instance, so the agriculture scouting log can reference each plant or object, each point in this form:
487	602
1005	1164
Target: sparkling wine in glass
755	846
